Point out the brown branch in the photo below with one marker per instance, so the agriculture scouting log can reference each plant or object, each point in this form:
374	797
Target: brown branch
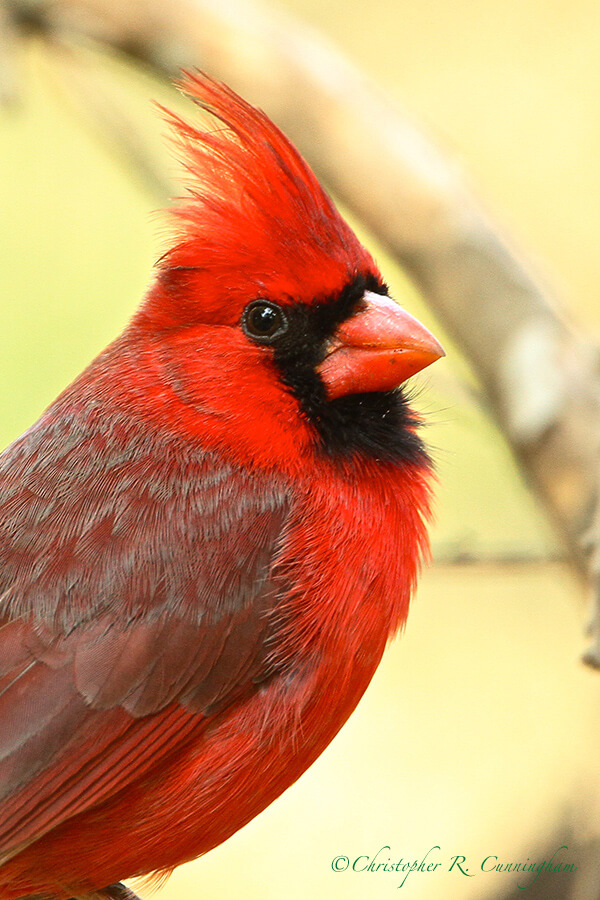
541	378
581	849
9	78
87	91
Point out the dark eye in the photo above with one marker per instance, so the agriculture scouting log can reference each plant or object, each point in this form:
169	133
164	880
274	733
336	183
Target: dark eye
264	321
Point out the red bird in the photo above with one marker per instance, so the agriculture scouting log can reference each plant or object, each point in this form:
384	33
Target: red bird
207	540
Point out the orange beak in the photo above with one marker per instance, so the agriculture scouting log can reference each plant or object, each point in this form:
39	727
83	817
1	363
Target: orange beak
377	349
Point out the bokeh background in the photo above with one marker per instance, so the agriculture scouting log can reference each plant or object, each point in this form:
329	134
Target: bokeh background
480	732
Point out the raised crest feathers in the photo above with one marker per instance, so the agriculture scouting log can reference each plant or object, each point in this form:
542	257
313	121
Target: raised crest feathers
254	206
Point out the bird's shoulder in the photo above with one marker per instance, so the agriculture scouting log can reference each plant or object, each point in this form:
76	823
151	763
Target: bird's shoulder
101	514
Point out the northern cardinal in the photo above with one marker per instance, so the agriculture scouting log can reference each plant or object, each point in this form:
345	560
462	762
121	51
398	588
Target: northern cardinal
207	540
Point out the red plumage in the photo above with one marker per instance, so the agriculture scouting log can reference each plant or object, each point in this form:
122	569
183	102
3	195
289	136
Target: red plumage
208	538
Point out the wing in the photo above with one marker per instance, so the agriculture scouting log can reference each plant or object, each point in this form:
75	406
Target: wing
136	600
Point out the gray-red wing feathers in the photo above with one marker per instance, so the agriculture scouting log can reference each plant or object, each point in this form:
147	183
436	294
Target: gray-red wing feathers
136	600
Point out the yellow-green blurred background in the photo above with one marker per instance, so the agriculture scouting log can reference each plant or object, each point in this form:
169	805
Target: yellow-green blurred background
480	731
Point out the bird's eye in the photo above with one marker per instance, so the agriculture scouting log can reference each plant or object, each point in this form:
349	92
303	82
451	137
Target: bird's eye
264	321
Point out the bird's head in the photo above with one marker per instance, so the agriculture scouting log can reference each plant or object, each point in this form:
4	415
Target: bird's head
268	279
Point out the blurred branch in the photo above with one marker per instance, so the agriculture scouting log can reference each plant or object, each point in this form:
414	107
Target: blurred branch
9	88
88	93
542	379
582	849
465	556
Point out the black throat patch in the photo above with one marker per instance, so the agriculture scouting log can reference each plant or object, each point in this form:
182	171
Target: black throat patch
376	425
